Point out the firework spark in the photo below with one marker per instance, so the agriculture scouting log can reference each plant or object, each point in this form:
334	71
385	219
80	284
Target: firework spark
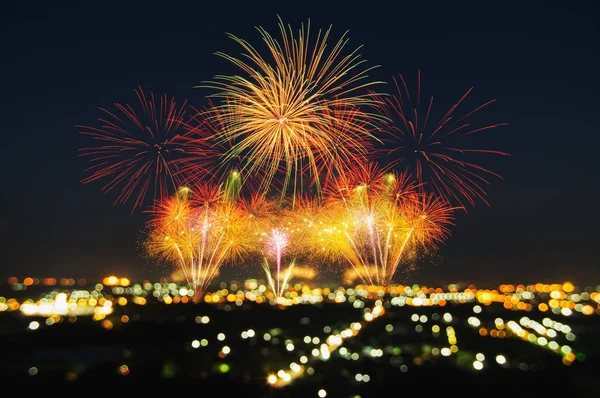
435	152
135	148
290	115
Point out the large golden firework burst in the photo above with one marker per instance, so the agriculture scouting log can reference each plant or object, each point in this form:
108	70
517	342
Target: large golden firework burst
288	106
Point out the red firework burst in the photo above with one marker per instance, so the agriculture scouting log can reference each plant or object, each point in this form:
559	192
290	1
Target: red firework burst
436	153
134	148
211	149
352	149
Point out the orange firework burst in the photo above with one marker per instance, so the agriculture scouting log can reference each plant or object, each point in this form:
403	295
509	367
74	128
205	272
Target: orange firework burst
135	149
199	235
379	222
290	115
435	152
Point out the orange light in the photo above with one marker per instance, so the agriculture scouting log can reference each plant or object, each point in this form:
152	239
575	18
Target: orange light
111	280
568	287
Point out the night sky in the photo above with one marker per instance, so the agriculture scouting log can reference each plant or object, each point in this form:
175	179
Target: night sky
541	63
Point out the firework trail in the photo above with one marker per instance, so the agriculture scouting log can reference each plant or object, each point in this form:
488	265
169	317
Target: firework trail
135	148
290	108
437	153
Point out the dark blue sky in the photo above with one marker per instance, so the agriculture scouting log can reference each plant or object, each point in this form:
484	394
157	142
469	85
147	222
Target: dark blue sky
541	63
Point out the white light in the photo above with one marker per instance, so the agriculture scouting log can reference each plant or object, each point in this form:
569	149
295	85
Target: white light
358	377
251	333
226	350
446	351
322	393
480	357
289	347
334	340
477	365
325	354
195	344
34	325
221	336
500	359
477	309
303	359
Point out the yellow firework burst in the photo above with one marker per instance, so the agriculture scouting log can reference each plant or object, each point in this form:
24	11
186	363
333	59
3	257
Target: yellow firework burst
376	221
292	107
198	230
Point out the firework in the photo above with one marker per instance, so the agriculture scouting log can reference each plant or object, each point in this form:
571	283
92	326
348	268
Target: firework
282	278
379	222
349	150
277	242
436	153
135	148
199	234
208	153
297	111
281	232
